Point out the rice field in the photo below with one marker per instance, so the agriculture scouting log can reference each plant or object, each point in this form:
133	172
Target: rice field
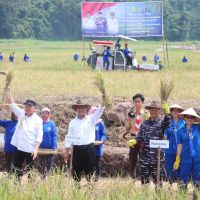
52	71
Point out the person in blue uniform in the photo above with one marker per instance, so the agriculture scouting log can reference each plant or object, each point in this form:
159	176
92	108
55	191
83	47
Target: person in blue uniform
11	57
1	56
100	135
171	135
9	149
185	59
106	55
127	55
188	150
49	141
26	58
156	59
76	56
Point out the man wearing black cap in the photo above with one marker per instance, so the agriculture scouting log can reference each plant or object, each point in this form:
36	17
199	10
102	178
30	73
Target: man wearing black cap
28	134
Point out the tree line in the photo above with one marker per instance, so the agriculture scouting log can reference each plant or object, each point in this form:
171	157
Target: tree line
61	19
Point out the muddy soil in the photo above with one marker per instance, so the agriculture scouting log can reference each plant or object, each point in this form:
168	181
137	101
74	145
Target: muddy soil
115	159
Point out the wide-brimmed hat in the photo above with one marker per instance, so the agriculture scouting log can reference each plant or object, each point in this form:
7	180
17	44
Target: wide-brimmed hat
154	104
176	106
190	112
79	102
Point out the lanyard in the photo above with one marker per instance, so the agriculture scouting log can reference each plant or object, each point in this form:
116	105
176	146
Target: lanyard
192	151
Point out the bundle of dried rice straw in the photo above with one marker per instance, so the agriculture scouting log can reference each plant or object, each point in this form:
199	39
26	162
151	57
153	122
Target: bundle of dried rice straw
9	78
99	83
166	87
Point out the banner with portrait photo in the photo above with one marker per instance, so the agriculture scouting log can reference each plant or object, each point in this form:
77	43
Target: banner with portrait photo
133	19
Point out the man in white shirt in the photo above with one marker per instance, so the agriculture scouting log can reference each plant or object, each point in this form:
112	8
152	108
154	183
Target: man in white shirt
28	134
81	136
113	27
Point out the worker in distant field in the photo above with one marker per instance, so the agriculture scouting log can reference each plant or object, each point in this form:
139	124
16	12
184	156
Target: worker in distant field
185	59
11	57
171	135
100	136
9	149
1	56
156	59
27	136
106	55
26	58
76	56
188	150
49	141
136	117
151	129
81	134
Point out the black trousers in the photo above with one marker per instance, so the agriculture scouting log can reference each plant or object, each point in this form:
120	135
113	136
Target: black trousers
9	161
46	164
84	160
133	156
97	167
19	158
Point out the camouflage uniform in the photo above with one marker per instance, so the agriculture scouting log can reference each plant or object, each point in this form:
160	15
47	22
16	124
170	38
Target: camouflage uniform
151	130
101	24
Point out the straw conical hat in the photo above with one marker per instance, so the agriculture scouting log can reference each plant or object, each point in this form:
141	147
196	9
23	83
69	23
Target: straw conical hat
191	112
176	106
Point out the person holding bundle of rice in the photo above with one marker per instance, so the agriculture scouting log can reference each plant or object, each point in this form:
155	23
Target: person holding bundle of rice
188	150
27	136
151	129
171	135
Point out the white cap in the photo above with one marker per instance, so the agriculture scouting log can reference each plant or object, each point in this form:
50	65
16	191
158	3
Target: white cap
46	109
176	106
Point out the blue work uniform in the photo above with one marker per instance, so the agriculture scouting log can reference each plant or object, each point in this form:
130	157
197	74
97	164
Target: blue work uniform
190	154
11	58
9	125
100	135
106	55
1	57
9	149
170	153
49	141
126	52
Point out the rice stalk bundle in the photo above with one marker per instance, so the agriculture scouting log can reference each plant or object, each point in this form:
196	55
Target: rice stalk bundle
166	87
100	84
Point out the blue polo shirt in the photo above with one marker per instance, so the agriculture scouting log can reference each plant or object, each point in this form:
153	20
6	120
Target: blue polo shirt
190	145
100	134
9	126
49	140
106	55
126	52
171	135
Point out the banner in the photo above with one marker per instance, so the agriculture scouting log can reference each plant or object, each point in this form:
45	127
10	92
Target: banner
132	19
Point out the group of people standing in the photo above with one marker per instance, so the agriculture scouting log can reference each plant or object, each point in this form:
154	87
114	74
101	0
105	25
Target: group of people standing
11	57
26	132
180	127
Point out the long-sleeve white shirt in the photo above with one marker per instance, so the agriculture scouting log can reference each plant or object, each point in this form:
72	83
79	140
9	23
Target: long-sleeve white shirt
28	132
82	131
